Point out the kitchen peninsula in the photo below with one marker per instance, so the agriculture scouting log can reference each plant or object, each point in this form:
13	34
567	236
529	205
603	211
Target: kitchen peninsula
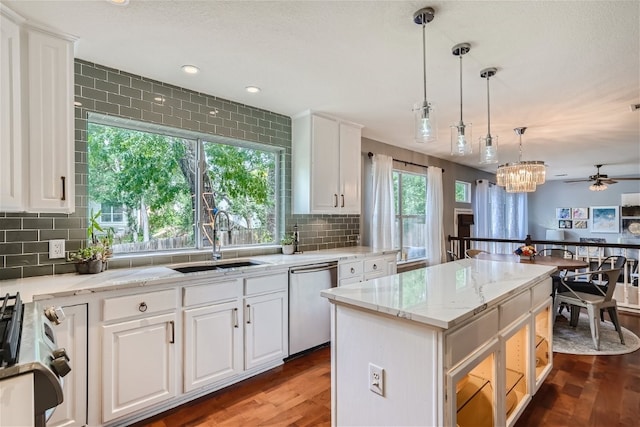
462	343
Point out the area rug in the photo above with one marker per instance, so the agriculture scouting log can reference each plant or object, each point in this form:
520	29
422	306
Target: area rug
570	340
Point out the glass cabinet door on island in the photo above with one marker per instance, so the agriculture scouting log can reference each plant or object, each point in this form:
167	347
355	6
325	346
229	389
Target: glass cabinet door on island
516	362
542	343
471	389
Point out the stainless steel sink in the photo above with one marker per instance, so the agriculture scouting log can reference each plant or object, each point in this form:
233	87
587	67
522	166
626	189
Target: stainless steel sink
227	265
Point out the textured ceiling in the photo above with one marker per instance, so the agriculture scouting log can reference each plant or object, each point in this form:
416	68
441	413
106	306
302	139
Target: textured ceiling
567	70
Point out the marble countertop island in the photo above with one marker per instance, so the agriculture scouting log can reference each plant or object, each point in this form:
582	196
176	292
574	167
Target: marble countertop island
443	295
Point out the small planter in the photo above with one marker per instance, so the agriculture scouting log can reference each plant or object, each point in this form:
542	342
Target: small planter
287	249
89	267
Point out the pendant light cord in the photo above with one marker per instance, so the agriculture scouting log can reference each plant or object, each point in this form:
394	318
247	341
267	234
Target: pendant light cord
424	58
461	124
488	109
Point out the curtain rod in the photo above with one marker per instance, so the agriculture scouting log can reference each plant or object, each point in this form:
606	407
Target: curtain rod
370	154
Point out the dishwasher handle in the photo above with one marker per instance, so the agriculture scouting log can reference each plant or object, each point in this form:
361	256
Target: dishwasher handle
313	268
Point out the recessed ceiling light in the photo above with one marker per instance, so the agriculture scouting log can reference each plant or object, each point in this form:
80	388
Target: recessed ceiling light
252	89
119	2
190	69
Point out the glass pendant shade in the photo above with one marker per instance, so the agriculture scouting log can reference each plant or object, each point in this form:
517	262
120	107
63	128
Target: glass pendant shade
461	132
488	144
425	123
521	177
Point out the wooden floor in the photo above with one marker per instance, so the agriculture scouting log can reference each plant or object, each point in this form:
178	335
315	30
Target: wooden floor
598	391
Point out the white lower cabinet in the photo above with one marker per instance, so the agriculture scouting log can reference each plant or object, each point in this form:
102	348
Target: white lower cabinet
212	344
139	364
366	269
265	328
71	335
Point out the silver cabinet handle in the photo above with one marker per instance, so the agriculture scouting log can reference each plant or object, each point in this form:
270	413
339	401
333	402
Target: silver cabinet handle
335	200
375	266
353	270
248	313
342	196
143	307
235	317
173	332
64	188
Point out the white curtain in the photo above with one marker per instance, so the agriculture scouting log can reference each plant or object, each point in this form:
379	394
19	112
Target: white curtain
499	215
434	229
384	215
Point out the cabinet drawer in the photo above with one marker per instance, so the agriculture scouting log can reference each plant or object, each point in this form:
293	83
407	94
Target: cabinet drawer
350	269
135	305
211	292
262	284
514	308
540	292
375	265
467	339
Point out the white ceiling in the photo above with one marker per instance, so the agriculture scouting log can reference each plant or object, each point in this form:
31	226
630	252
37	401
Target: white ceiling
567	70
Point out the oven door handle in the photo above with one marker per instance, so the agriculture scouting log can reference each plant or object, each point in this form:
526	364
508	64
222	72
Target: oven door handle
313	268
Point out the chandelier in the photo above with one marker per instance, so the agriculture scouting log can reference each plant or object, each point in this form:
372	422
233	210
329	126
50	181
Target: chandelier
461	132
521	177
425	126
488	144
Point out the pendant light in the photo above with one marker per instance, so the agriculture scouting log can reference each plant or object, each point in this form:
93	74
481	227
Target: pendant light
425	125
489	144
461	133
521	177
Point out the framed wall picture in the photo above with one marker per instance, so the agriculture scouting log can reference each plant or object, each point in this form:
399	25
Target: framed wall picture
580	224
579	213
591	251
564	223
631	227
563	213
605	219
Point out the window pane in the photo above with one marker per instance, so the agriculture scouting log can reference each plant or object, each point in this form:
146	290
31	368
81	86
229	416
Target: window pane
152	177
463	192
414	190
242	182
413	244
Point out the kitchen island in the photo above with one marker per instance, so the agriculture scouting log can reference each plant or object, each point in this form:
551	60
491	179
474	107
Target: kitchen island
461	343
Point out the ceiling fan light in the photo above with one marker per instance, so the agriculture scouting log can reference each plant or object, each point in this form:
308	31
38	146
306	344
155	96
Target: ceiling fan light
598	186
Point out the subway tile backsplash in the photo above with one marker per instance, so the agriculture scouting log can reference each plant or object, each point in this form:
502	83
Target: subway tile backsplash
24	237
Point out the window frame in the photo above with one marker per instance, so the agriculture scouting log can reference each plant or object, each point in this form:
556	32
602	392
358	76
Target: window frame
200	139
399	217
467	191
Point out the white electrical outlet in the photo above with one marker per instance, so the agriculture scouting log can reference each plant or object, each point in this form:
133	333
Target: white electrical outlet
56	248
376	379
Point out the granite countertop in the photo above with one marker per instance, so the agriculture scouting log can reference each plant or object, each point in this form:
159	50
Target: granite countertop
64	285
443	295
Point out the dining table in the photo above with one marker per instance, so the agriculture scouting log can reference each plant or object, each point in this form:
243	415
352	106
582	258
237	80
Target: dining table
560	263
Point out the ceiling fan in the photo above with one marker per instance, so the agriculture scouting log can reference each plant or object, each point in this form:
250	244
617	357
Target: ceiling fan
601	180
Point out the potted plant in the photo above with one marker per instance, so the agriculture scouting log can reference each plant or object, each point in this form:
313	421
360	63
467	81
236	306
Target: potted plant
287	243
93	258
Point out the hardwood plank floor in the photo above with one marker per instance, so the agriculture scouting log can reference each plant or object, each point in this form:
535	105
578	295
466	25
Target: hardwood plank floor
598	391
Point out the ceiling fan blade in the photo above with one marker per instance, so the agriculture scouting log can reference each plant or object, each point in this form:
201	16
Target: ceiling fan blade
608	181
578	180
633	178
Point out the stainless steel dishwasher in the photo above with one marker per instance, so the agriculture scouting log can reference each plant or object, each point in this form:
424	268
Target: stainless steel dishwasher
309	313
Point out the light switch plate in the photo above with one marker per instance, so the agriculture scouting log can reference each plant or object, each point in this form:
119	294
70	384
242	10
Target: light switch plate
56	248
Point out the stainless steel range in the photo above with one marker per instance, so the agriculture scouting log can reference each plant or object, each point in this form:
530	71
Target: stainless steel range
31	365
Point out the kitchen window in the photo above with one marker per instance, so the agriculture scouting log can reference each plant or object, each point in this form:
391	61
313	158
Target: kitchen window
410	192
167	186
463	192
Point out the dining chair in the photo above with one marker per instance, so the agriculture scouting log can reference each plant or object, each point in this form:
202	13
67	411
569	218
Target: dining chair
471	253
555	252
451	256
593	302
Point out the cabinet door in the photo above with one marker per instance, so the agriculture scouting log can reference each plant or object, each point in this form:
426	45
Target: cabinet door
325	165
10	118
265	329
139	364
350	161
71	335
213	344
51	127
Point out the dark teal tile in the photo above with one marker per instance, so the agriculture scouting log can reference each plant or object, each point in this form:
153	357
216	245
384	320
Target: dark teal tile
10	223
37	223
10	273
22	236
21	260
10	248
40	270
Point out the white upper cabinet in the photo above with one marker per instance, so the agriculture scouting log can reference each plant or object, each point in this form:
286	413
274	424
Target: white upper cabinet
11	190
326	165
51	130
37	121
